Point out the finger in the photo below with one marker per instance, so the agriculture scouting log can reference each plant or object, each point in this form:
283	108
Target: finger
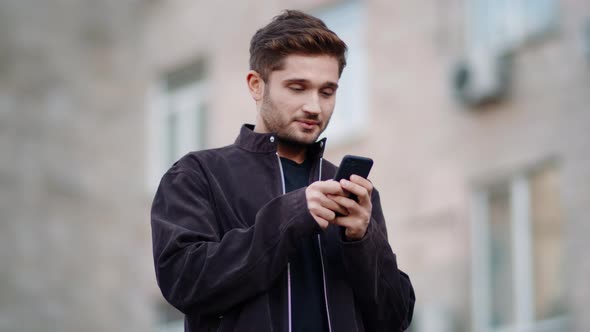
323	223
322	212
355	210
316	201
333	205
366	183
345	222
361	192
329	187
354	228
345	202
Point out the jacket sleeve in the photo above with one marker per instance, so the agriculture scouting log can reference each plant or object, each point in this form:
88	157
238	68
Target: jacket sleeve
197	269
384	293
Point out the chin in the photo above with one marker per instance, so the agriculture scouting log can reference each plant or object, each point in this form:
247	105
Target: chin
300	139
308	139
301	136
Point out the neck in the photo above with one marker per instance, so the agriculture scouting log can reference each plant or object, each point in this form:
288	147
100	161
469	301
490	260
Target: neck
292	151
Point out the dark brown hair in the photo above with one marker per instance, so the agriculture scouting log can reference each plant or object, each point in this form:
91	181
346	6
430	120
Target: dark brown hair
293	32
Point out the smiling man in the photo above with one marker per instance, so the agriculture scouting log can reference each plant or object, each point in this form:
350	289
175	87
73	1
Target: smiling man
255	236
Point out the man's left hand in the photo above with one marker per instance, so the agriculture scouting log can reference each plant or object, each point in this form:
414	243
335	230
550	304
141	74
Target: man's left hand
357	220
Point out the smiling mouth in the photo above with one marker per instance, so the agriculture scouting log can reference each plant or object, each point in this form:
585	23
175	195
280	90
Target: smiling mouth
308	123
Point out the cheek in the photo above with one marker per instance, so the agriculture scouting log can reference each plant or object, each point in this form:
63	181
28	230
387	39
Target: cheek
282	100
288	104
328	106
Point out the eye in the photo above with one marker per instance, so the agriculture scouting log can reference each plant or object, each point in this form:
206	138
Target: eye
327	92
296	87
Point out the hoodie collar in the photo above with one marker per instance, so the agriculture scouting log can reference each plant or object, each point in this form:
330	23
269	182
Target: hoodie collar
267	142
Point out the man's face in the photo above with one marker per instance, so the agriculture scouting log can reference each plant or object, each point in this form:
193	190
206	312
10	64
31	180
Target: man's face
299	99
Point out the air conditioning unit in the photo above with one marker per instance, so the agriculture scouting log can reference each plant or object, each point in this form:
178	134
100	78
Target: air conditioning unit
482	77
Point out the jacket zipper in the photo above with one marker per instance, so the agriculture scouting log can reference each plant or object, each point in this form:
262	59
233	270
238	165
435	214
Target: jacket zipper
220	323
324	279
288	264
323	268
321	258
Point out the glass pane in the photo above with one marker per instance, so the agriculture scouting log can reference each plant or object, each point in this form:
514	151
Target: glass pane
348	20
489	23
501	268
547	228
201	125
541	15
171	137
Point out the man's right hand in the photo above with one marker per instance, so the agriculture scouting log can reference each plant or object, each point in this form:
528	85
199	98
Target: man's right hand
322	208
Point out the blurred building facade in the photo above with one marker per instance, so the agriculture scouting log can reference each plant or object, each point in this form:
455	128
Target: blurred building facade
475	112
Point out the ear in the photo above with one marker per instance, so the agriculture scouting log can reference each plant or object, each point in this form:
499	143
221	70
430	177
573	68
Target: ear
255	85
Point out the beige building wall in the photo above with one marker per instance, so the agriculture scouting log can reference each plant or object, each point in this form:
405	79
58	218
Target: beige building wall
74	238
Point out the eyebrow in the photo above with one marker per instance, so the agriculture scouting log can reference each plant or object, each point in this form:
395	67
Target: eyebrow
332	85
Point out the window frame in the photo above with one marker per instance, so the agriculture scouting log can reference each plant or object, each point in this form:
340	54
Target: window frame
519	21
188	102
522	258
350	120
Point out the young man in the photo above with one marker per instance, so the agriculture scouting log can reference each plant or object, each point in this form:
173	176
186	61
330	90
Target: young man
255	236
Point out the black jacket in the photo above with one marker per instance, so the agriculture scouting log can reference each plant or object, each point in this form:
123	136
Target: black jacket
222	233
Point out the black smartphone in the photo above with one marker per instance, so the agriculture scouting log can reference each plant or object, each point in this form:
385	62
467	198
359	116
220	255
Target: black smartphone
350	165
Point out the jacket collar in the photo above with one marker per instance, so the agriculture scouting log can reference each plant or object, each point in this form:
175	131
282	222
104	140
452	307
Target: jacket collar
258	142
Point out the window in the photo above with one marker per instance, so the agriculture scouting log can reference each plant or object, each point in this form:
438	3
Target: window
177	119
518	272
349	120
503	25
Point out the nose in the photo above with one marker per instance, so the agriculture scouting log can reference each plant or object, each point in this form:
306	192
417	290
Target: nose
312	104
